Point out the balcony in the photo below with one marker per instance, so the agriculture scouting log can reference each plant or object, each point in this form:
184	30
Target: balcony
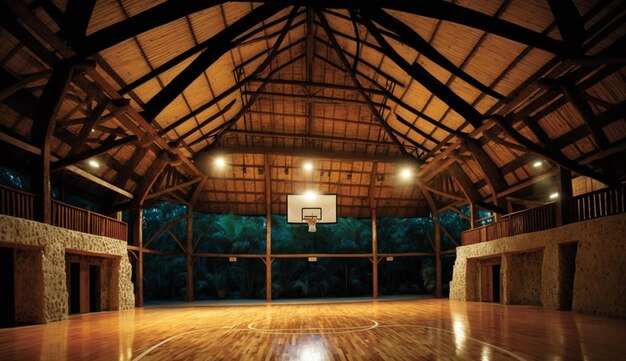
601	203
17	203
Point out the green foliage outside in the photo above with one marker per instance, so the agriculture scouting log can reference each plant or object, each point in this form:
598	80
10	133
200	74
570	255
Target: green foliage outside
164	276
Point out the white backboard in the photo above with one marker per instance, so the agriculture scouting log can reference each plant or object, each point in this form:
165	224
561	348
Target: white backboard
299	206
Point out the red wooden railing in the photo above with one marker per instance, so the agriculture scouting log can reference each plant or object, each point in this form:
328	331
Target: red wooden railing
600	203
603	202
18	203
531	220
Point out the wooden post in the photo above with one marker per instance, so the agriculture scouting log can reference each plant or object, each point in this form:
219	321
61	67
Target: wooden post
136	221
563	205
43	128
189	253
374	255
437	254
268	230
473	214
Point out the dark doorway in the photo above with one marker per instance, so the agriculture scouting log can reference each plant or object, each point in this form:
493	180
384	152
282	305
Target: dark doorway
7	288
496	283
74	287
94	288
567	270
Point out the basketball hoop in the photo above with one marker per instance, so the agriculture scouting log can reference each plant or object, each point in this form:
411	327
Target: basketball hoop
311	222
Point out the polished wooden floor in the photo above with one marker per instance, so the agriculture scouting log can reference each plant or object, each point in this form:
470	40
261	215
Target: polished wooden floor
423	329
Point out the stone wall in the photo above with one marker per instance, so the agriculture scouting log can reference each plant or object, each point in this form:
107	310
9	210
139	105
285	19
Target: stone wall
523	277
54	242
599	286
28	278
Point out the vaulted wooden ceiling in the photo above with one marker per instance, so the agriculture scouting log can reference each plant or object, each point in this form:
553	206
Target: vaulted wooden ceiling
468	93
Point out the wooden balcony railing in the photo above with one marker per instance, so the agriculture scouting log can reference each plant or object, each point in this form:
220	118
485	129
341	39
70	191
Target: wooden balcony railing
600	203
19	204
603	202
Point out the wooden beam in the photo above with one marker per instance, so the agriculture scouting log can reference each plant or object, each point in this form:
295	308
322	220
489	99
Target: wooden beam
76	19
318	98
106	147
189	296
357	84
310	43
311	152
206	121
374	254
467	187
314	84
570	25
197	192
443	10
422	76
272	55
268	228
324	138
218	45
136	229
589	117
372	188
23	82
173	188
438	284
411	38
486	164
152	18
141	192
557	158
44	123
99	181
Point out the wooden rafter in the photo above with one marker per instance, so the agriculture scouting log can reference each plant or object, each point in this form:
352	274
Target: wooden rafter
357	83
214	49
422	76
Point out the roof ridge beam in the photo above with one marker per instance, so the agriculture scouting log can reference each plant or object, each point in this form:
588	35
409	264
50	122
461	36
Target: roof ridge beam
217	46
426	79
414	40
357	84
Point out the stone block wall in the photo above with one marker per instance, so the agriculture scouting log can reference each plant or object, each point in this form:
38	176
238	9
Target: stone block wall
599	286
53	243
28	280
523	278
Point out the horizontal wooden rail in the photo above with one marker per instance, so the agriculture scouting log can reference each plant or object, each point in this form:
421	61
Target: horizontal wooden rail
600	203
17	203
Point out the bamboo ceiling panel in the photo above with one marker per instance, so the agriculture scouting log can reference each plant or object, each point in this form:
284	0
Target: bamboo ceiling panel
367	87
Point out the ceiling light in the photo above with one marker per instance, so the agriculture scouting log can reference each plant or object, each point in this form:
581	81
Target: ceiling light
308	166
538	164
406	173
310	195
554	195
220	162
94	164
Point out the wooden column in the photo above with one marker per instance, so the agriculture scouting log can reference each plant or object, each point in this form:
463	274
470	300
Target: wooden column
437	254
563	205
268	230
189	253
43	128
374	255
136	221
473	215
189	250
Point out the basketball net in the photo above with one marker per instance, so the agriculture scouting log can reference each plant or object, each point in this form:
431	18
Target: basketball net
311	222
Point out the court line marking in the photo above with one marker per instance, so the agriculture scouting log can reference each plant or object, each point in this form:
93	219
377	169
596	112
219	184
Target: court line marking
374	325
148	351
313	330
467	337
